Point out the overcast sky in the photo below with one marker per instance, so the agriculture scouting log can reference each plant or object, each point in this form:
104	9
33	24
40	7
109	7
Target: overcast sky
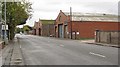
49	9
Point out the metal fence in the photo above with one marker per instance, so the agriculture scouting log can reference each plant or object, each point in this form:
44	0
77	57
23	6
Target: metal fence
109	37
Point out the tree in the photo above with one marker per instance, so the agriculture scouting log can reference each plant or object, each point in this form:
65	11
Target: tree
26	28
18	30
16	14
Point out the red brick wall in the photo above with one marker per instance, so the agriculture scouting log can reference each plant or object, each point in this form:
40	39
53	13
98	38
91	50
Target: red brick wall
87	29
36	27
47	30
60	21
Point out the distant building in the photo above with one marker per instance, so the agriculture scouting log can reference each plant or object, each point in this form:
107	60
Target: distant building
37	28
83	25
44	28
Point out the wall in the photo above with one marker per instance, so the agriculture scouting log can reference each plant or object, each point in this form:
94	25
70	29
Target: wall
47	30
36	28
110	37
60	20
87	29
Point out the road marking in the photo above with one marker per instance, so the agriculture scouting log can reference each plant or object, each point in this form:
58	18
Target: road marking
97	54
62	45
20	46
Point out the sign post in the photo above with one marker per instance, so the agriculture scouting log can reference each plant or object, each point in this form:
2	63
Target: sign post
4	33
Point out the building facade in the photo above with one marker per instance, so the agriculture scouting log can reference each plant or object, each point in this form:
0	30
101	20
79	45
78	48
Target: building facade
48	30
44	28
37	28
83	25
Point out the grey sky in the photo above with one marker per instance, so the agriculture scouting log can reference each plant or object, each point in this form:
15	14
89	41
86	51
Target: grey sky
49	9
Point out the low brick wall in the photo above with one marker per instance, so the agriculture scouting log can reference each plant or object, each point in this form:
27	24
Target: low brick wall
109	37
1	44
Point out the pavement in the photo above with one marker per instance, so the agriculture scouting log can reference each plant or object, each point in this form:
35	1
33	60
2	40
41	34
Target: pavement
1	43
11	54
17	58
101	44
0	56
88	41
51	51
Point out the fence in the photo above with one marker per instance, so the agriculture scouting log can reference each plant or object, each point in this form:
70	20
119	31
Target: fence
109	37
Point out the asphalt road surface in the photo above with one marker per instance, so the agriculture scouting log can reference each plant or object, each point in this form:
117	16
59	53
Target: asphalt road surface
52	51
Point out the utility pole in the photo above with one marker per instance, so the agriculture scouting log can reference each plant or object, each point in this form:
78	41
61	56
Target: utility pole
71	21
0	20
5	33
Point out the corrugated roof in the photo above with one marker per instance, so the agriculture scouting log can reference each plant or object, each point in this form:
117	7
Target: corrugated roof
92	17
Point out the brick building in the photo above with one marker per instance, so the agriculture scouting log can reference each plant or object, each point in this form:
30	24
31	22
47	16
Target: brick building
37	28
83	25
48	30
44	28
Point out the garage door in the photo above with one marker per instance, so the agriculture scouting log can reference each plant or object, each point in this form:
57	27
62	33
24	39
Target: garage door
60	31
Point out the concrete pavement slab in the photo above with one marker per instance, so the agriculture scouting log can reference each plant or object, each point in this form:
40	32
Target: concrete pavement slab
101	44
11	54
17	58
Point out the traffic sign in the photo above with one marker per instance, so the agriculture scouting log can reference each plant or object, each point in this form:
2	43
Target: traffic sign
3	27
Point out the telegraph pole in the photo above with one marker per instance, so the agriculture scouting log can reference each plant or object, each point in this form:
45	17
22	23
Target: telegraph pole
71	21
0	19
5	33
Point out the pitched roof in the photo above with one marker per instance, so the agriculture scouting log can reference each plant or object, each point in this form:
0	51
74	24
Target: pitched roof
76	16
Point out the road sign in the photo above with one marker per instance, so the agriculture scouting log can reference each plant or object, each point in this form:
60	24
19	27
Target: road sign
3	27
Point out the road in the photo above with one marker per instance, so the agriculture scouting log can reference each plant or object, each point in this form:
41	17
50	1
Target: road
52	51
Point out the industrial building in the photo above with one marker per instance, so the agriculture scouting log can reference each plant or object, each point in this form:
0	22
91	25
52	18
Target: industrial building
83	25
44	28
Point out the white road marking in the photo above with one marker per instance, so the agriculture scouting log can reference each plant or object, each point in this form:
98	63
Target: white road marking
20	46
97	54
62	45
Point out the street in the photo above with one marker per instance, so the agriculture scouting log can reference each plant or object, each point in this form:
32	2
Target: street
59	33
52	51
